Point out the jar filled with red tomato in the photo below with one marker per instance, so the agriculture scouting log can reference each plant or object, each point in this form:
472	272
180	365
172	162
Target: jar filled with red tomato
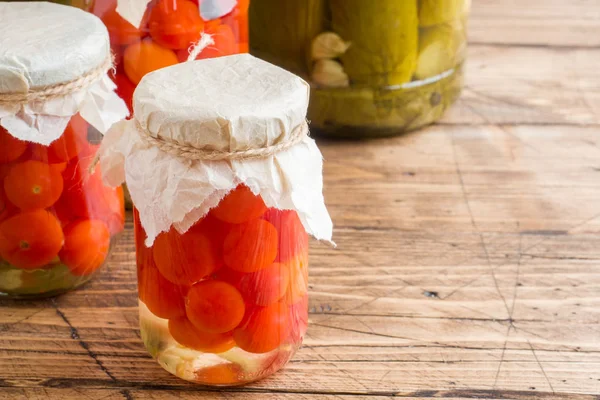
227	187
160	33
57	219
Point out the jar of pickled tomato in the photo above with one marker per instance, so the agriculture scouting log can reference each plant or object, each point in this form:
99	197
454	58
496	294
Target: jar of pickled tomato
149	35
57	219
227	187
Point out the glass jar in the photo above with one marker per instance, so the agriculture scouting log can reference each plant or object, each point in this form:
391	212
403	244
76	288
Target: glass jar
165	34
57	219
226	185
377	68
231	291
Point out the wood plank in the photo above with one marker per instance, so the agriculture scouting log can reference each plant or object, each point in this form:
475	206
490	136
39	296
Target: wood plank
510	176
573	23
137	394
523	85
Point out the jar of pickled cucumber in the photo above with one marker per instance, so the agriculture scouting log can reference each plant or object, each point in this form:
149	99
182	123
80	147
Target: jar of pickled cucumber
57	219
376	68
149	35
227	187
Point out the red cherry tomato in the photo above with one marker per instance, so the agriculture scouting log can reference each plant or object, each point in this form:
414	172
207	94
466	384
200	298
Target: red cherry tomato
86	196
265	286
214	306
86	246
250	246
146	56
162	297
188	258
31	239
264	329
240	205
120	31
293	239
33	185
175	24
225	43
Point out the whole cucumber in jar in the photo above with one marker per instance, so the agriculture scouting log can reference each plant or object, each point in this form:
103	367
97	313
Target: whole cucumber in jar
384	39
441	48
435	12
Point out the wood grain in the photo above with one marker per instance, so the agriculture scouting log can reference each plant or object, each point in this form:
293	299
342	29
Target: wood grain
536	23
468	259
535	86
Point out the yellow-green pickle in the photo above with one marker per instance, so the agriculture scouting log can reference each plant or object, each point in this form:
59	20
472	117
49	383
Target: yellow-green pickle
384	40
376	68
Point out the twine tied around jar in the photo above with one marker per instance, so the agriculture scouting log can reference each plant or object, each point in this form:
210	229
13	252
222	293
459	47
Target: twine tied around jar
194	153
45	93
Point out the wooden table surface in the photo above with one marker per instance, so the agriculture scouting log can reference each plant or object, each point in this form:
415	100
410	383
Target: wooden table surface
468	258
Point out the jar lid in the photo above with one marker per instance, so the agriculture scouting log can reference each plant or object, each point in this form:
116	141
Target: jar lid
222	104
201	128
44	44
54	61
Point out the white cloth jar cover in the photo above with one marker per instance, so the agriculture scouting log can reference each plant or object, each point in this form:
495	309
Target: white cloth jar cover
228	104
46	46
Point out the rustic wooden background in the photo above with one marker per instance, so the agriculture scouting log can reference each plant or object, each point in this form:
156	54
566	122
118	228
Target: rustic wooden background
468	259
